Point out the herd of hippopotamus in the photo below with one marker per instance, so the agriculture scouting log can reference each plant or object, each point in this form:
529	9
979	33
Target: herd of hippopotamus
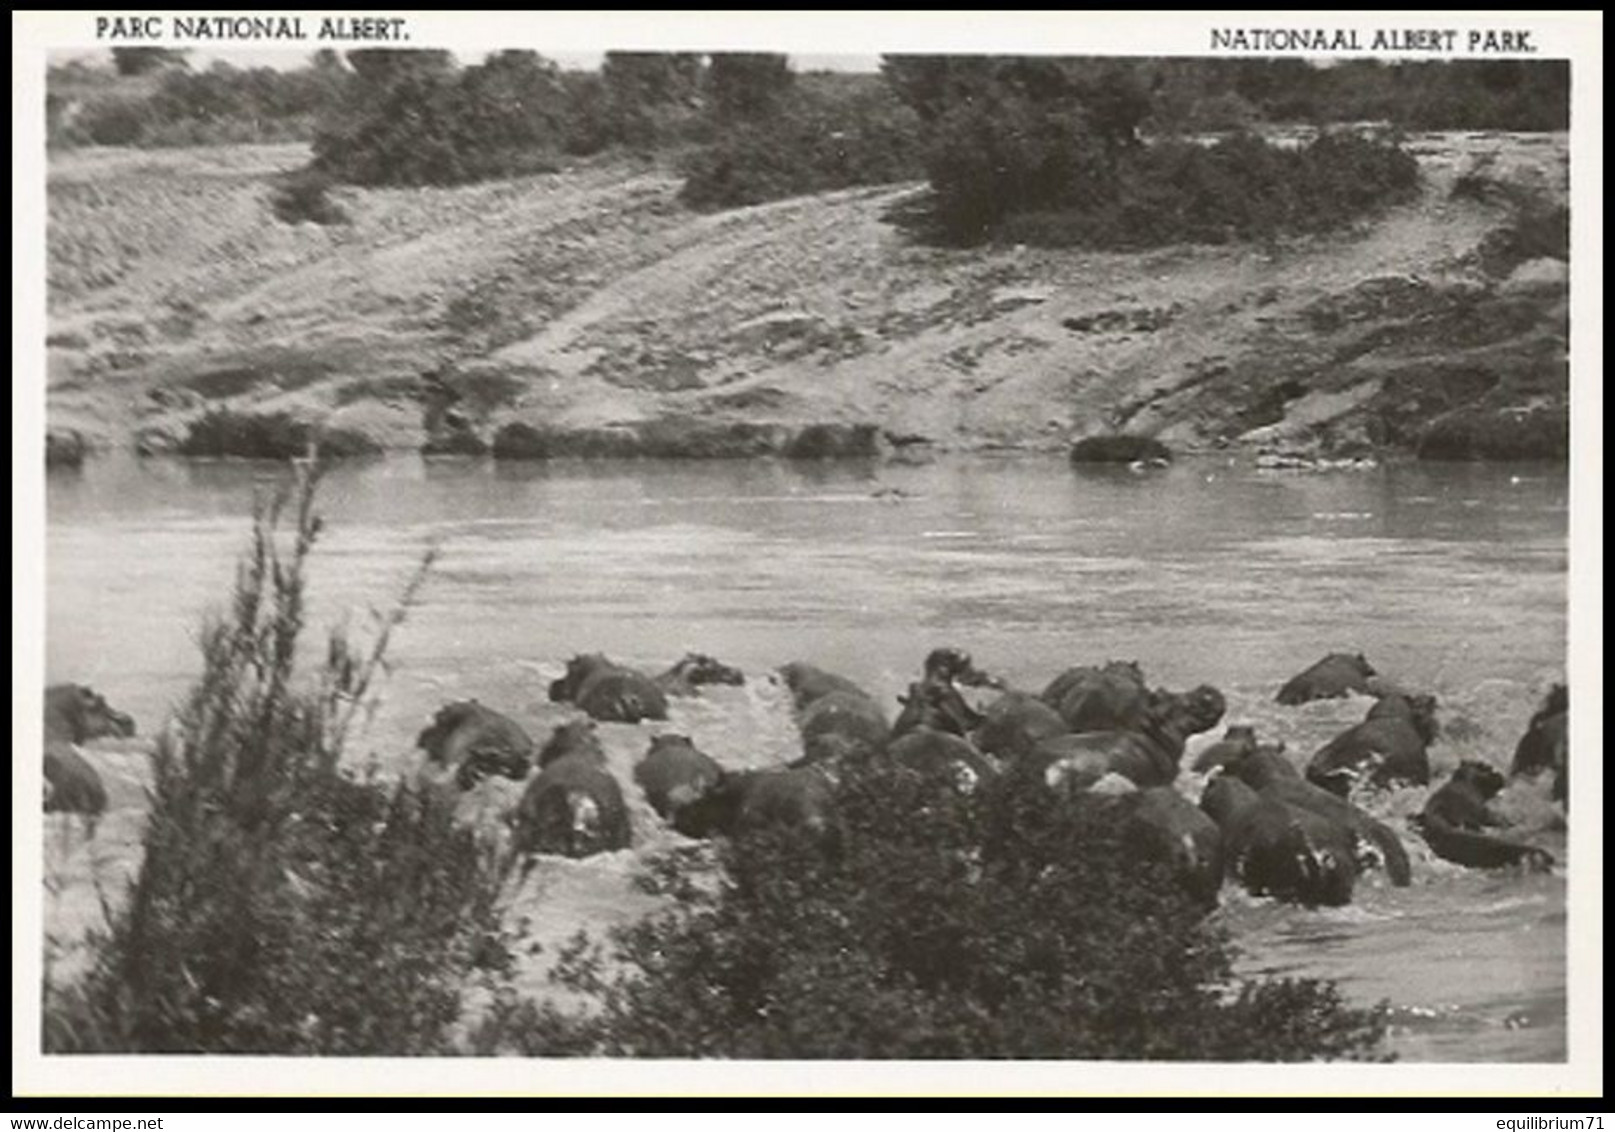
1094	736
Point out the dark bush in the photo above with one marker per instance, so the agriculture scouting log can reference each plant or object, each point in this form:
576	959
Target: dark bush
834	441
1118	449
268	436
819	139
1541	433
304	196
934	926
282	905
144	60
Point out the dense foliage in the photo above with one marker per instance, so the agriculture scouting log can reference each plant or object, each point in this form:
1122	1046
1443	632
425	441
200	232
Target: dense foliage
931	926
282	904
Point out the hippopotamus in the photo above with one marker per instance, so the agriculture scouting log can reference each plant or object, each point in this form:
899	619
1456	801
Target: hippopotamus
799	798
693	670
1014	723
1390	747
573	807
1147	754
842	726
478	742
609	691
674	773
1546	742
944	756
1456	816
1279	850
949	665
1332	678
1099	699
574	737
1164	826
936	705
807	683
75	713
1237	741
72	785
1268	772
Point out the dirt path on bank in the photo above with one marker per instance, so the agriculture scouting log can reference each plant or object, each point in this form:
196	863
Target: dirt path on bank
591	298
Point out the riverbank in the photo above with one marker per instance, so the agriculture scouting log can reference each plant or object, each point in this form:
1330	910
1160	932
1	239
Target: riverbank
586	313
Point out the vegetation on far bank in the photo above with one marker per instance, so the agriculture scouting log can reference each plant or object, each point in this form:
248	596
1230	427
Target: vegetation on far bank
286	904
1038	150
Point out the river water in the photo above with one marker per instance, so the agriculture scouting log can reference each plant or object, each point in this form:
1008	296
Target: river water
1448	577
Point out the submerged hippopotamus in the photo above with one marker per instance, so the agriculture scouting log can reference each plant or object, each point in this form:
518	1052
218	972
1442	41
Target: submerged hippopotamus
74	714
609	691
1099	699
574	737
1546	743
694	670
1270	774
1147	754
1332	678
808	683
1164	826
1389	748
1015	723
1237	741
478	742
842	727
945	757
796	798
1280	850
674	773
574	808
1455	819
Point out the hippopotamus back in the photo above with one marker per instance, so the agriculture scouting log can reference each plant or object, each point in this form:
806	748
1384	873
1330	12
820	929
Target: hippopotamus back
1105	699
842	726
808	683
1546	742
478	742
1166	827
1456	816
794	798
608	691
945	757
1014	724
1389	747
72	785
573	808
1279	850
1332	678
674	774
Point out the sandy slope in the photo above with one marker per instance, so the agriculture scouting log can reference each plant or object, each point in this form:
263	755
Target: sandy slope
591	298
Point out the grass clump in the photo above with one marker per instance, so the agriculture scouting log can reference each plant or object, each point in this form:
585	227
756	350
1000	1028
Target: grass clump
932	925
283	904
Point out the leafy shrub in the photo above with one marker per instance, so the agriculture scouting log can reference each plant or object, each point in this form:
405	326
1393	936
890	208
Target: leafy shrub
268	436
304	195
282	905
1238	188
934	925
817	141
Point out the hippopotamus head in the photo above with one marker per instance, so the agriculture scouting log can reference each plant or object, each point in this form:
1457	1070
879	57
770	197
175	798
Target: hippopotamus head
1486	779
1204	707
696	668
578	670
1557	702
78	714
1125	670
938	706
949	665
436	733
1264	765
574	737
486	762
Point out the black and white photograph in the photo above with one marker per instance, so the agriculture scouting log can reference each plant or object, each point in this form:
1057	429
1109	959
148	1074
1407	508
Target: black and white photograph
557	545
